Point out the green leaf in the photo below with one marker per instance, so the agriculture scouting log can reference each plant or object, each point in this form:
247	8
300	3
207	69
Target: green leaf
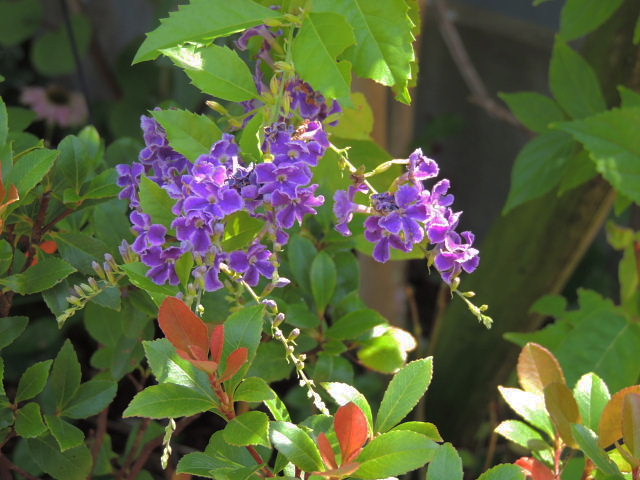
31	169
383	49
202	20
628	97
530	406
40	277
335	368
534	110
20	118
250	140
538	167
11	328
578	170
68	436
296	445
189	133
217	71
446	464
73	464
580	17
240	230
250	428
65	376
354	324
301	252
51	53
29	422
103	185
327	35
323	277
355	122
343	393
253	389
574	83
168	400
169	367
270	362
4	124
91	398
278	409
588	442
614	145
395	453
33	380
403	393
506	471
6	256
19	20
243	329
78	157
80	249
384	353
427	429
522	434
137	275
156	202
592	395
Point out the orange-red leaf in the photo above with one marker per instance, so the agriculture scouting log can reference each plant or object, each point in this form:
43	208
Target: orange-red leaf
611	421
341	472
50	246
326	450
352	430
181	326
235	362
217	342
535	468
205	365
537	368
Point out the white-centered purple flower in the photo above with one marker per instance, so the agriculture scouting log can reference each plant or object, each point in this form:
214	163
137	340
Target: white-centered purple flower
163	264
253	263
292	208
149	235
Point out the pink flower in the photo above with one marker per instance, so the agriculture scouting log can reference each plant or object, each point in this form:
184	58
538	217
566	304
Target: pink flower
56	105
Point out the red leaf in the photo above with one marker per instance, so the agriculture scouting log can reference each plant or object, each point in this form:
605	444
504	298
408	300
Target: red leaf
50	246
235	362
352	429
535	469
217	342
344	471
181	326
326	450
205	365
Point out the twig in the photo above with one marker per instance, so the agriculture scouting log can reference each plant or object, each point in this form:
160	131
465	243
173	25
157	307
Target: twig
98	439
479	93
8	464
134	449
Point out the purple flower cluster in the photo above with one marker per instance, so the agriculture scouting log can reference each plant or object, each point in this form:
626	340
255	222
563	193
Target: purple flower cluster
217	185
412	215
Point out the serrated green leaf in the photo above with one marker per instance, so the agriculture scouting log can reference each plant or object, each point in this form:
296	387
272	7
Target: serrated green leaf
327	35
578	170
503	472
403	393
137	275
73	464
446	464
91	398
202	20
592	395
343	393
11	328
241	229
580	17
217	71
52	54
78	157
270	362
394	453
301	253
40	277
574	83
30	169
80	249
530	406
156	202
168	400
278	409
29	422
243	329
33	381
296	445
614	145
538	168
522	434
588	442
250	428
19	20
384	353
20	118
6	256
628	97
103	185
323	279
199	463
253	389
383	49
65	375
427	429
355	122
563	409
68	436
189	133
534	110
169	367
354	324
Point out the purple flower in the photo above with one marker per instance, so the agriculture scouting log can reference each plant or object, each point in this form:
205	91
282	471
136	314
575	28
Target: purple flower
148	235
455	255
286	177
421	167
294	207
254	262
344	207
129	178
226	152
163	264
195	229
402	213
209	275
383	239
215	200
